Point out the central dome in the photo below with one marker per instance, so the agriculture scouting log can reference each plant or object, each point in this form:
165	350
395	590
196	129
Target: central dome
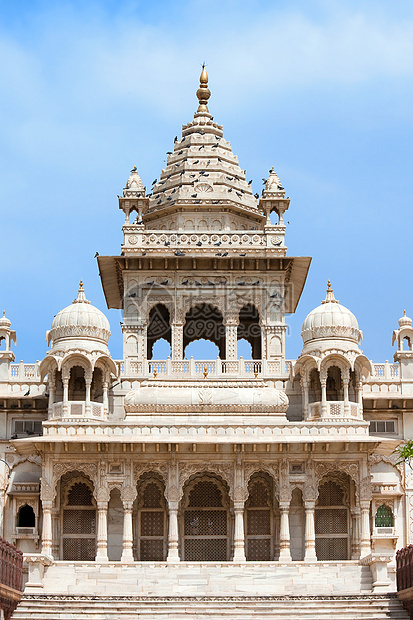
331	320
80	321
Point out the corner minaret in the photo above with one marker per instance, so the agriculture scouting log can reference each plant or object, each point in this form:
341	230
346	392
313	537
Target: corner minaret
404	354
6	354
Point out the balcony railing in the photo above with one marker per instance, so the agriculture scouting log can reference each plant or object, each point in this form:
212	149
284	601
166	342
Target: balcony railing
199	369
335	410
11	577
24	373
77	409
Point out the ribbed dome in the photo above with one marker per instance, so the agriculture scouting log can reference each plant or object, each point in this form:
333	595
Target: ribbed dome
80	321
4	321
405	321
330	320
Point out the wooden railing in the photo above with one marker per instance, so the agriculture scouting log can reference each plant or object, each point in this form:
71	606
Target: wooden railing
11	577
404	575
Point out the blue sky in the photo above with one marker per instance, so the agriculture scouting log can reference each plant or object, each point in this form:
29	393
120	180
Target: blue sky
322	90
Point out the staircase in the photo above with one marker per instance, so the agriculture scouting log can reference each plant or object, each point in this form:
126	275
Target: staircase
72	607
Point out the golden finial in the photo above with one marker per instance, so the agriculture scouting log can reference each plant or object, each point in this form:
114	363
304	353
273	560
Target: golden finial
404	313
203	93
205	371
81	284
4	312
330	295
155	372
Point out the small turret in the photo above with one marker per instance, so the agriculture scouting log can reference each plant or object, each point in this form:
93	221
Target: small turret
404	354
134	197
6	354
273	198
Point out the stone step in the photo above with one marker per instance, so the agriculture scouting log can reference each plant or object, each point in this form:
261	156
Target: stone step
363	607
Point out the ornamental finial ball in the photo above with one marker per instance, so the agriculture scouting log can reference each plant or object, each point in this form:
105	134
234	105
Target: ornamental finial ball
203	93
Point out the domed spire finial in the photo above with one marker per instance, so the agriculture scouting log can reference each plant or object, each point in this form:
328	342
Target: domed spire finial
203	93
81	297
330	295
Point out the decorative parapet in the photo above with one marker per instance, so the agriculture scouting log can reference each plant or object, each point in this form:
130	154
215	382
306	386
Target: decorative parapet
154	242
24	373
210	429
197	369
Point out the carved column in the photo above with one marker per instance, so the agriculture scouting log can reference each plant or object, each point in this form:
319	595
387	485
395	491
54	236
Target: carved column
231	330
285	554
102	533
173	538
55	533
177	337
304	388
47	536
323	381
88	383
105	397
239	535
52	390
346	379
173	497
127	549
355	538
65	381
310	554
365	542
360	396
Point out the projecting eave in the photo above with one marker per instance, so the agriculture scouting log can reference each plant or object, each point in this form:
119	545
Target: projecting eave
297	271
110	271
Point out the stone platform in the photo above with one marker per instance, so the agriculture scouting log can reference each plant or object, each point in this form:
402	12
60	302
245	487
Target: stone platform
160	579
362	607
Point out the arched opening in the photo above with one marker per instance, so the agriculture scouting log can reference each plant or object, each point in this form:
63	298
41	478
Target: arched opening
26	517
2	343
201	350
159	327
77	384
150	521
96	389
334	384
297	526
407	340
260	519
115	526
332	521
244	349
78	520
205	522
384	517
249	329
204	322
161	350
314	393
